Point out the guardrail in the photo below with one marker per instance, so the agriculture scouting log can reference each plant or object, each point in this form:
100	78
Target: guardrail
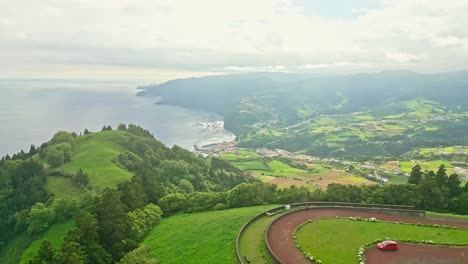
320	205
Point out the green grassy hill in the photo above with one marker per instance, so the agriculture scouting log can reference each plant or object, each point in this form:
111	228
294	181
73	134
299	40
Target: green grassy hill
207	237
95	153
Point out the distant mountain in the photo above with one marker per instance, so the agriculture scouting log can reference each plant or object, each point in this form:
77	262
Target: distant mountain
252	102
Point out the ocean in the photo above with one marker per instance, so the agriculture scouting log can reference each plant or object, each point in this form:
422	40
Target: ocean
31	111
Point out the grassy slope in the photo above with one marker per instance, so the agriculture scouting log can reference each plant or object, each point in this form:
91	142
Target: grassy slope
322	239
257	165
62	187
24	246
207	237
94	153
54	233
252	242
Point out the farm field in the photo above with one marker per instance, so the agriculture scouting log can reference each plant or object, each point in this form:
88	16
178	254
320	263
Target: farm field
277	171
433	165
206	237
323	240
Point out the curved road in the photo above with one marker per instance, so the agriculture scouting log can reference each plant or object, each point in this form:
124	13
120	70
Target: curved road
280	235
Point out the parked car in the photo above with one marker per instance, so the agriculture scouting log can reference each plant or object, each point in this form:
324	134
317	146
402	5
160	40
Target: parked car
387	245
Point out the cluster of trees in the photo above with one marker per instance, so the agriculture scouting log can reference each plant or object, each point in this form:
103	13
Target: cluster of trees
59	149
104	232
110	225
439	191
22	184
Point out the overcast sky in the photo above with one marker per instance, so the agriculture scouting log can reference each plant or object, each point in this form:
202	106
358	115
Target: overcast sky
163	39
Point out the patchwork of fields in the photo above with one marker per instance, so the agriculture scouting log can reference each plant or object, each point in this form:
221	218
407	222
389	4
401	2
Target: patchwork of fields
286	172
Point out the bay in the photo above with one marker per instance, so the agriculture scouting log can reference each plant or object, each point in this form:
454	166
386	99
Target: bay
31	111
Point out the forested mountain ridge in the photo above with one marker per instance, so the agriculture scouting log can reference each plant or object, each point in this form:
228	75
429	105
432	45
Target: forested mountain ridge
386	113
126	171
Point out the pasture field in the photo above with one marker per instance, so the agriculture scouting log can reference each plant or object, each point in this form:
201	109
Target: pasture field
95	153
62	187
205	237
276	171
433	165
323	240
251	165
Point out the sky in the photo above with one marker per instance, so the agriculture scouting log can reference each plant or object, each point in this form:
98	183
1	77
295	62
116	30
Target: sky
165	39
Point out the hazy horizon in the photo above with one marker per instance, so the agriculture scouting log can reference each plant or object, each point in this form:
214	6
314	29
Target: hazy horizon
163	40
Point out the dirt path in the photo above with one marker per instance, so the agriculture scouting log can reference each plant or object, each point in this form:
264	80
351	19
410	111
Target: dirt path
280	236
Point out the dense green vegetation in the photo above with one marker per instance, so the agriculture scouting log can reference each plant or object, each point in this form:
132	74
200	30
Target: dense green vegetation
55	234
115	220
323	240
207	237
116	198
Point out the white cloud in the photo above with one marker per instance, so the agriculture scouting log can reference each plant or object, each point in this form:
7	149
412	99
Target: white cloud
225	36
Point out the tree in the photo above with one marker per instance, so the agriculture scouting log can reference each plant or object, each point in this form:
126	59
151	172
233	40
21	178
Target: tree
441	176
81	178
185	185
46	253
114	224
453	184
434	197
32	150
463	204
140	255
121	127
39	218
62	137
86	132
88	225
416	175
64	208
66	148
71	250
143	220
54	157
174	202
133	194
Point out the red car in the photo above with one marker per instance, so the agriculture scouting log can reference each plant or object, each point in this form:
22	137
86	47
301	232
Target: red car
388	245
